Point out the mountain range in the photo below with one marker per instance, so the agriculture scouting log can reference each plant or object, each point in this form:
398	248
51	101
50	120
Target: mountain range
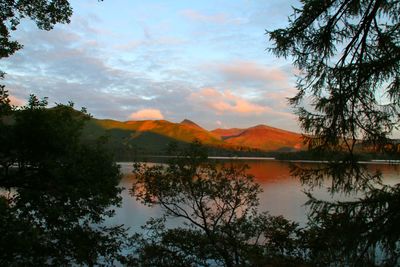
152	137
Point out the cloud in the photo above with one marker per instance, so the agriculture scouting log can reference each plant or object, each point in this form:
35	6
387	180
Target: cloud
236	111
113	73
225	102
219	18
15	101
148	42
147	114
249	71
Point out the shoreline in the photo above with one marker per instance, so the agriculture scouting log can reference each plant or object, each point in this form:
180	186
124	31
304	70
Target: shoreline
374	161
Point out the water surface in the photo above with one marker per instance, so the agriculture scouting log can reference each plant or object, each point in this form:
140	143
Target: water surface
282	194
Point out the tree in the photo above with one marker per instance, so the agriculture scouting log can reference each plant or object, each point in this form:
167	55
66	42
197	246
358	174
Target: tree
348	54
218	209
56	190
45	13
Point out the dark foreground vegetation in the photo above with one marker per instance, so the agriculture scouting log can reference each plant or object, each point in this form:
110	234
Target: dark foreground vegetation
57	188
316	155
222	225
219	209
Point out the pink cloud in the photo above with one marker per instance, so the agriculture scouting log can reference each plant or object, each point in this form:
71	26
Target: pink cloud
210	92
147	114
225	102
279	99
247	70
15	101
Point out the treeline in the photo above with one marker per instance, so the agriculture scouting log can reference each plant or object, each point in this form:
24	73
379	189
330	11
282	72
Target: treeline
334	156
55	190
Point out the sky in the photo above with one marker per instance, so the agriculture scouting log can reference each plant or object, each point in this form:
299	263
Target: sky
207	61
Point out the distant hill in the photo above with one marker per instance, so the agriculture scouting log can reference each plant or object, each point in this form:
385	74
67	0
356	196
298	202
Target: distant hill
227	133
261	137
191	124
152	137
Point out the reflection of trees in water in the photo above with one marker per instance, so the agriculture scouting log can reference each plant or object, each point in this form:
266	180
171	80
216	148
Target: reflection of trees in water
346	176
360	232
222	225
218	206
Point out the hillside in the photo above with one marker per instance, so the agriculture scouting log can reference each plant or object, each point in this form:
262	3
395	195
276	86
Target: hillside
191	124
152	137
261	137
227	133
179	131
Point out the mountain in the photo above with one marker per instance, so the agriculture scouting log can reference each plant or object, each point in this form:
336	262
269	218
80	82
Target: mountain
152	137
227	133
191	124
261	137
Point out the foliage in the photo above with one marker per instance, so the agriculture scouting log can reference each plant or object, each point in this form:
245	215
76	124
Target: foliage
55	190
218	208
318	155
45	13
348	55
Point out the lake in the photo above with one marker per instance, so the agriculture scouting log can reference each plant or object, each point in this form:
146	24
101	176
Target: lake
282	194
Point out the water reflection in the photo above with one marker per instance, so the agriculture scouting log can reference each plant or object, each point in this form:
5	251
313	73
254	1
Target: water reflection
351	217
131	213
282	193
359	229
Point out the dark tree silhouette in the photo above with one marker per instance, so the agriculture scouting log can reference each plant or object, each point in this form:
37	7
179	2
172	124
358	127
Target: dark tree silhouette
218	210
348	54
55	190
45	13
